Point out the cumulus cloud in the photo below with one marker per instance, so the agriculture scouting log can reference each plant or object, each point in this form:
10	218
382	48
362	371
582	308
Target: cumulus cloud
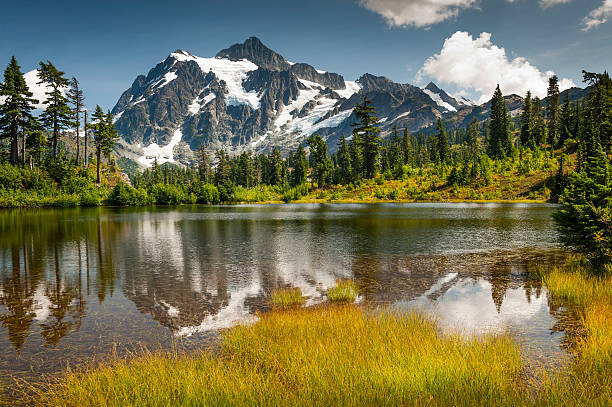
417	13
598	16
479	65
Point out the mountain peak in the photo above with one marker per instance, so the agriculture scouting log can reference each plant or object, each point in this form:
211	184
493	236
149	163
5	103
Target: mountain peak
254	50
433	87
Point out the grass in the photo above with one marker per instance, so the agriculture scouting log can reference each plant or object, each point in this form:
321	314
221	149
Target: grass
287	298
589	376
319	356
343	292
344	355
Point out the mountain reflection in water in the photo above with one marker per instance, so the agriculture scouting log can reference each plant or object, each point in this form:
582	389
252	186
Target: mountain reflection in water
74	283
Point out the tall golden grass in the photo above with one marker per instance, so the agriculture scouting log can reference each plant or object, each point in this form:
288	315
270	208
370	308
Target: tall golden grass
344	356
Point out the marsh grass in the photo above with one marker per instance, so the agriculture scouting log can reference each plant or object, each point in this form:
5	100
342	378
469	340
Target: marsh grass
285	298
588	378
343	292
319	356
341	355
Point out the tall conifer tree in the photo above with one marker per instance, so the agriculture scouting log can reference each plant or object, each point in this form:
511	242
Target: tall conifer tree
15	112
57	115
368	131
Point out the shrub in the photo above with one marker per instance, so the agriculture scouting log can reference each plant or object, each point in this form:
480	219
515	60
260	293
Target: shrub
10	177
168	194
126	195
90	198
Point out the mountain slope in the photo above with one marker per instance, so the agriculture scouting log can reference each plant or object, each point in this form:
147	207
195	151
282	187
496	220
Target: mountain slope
250	98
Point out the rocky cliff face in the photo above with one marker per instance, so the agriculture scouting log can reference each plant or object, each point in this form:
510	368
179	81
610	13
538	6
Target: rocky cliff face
249	97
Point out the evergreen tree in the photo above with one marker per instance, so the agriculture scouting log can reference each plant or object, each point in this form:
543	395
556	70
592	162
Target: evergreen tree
275	160
552	110
15	112
105	136
76	98
356	152
527	124
565	122
204	167
474	147
599	106
246	170
300	167
539	130
369	134
395	157
407	148
222	173
319	161
344	162
57	115
500	144
441	146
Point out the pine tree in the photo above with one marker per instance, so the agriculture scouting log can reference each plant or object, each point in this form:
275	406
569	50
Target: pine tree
441	144
539	130
57	115
275	160
246	170
500	144
15	112
222	173
474	147
552	110
105	136
76	98
369	134
300	167
407	148
204	168
527	124
319	161
565	122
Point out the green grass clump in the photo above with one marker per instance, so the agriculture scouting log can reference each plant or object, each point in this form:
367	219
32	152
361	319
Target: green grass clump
586	381
319	356
344	291
287	298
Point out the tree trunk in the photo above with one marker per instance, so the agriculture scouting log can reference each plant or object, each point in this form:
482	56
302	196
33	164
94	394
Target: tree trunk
85	130
15	145
23	146
54	141
98	157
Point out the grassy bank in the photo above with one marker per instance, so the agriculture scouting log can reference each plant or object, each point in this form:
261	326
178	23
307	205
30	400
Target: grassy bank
340	355
322	356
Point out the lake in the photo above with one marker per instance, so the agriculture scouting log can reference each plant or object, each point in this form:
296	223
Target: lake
81	284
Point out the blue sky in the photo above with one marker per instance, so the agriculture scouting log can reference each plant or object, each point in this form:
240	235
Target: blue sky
107	44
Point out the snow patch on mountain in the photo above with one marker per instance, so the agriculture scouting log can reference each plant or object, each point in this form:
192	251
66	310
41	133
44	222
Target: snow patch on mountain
436	98
234	73
352	87
163	154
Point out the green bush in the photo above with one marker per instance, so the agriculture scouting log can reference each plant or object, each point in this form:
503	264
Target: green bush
90	198
168	194
206	193
125	195
10	177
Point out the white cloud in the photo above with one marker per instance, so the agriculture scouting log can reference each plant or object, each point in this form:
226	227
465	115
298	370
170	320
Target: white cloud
598	16
549	3
417	13
479	65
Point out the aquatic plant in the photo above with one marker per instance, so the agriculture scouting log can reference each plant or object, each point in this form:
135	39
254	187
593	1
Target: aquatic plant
287	298
343	291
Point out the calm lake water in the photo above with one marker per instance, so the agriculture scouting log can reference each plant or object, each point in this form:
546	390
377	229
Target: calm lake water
82	283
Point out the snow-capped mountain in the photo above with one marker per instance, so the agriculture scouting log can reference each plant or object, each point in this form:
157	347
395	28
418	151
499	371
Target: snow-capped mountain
249	97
